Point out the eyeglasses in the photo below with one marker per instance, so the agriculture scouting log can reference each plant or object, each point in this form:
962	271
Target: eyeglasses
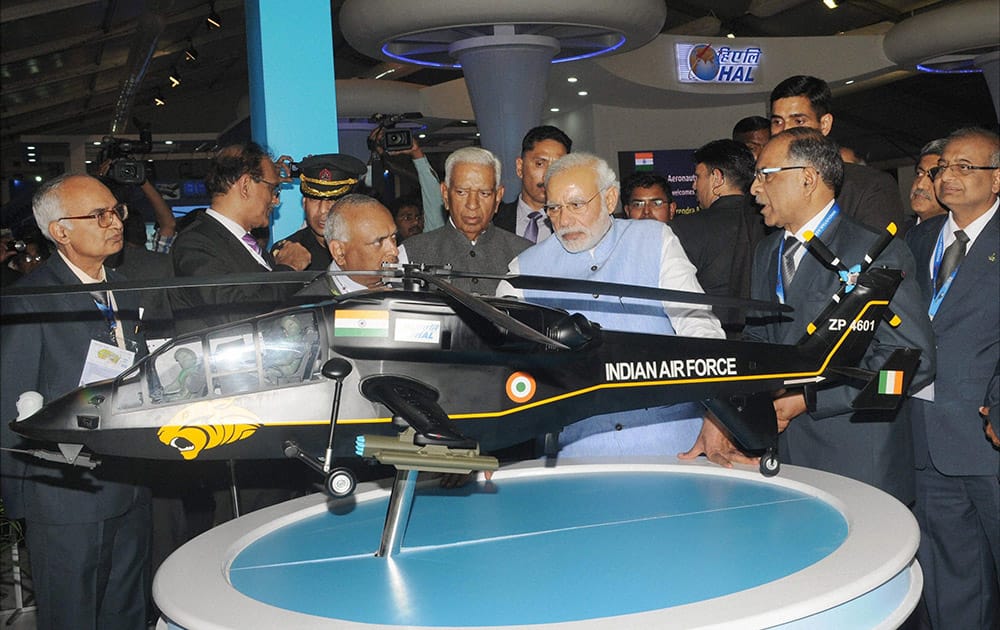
639	204
961	169
105	216
275	187
576	207
761	174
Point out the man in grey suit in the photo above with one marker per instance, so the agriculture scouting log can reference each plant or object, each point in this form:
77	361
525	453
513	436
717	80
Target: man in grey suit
958	485
798	175
87	532
469	242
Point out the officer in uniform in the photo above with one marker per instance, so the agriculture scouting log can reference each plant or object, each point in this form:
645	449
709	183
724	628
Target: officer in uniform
323	179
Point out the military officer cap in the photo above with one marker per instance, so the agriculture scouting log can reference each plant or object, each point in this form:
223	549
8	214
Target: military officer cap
330	175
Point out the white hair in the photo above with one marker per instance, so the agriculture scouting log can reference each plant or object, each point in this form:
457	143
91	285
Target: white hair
471	155
337	226
47	206
606	177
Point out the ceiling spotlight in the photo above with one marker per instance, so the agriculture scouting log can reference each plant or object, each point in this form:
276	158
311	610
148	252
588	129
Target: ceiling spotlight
30	147
849	82
830	4
158	99
175	77
190	54
553	109
582	93
731	35
168	142
571	79
213	20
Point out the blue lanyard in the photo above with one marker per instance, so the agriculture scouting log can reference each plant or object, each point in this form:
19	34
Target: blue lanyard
825	223
109	317
938	296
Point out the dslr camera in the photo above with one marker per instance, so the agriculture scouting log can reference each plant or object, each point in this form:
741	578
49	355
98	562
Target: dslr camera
394	139
125	168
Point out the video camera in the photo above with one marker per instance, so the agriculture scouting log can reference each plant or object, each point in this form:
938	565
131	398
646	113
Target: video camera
125	169
393	139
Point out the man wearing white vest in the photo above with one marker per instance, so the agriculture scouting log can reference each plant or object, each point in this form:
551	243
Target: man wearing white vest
582	192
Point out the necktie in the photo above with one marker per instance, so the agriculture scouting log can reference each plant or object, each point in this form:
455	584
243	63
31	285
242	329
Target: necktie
792	245
952	258
252	242
531	232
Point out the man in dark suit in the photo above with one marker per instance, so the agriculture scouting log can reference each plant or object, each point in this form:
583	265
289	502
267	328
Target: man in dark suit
868	196
87	531
958	485
524	217
245	185
720	240
798	174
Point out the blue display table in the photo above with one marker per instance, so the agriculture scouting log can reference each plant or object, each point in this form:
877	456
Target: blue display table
593	545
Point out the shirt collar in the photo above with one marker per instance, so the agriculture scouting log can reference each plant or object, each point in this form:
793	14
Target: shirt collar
84	277
811	224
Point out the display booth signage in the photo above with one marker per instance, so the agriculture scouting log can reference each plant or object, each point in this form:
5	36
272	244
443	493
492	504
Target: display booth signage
704	63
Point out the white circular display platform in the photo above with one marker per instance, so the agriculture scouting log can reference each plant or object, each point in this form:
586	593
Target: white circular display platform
577	545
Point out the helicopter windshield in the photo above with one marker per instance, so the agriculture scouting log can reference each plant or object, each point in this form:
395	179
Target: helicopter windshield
261	354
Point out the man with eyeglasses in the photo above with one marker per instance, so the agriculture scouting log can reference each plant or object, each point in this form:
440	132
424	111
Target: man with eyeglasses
540	147
867	195
245	186
923	199
470	241
87	531
721	238
956	421
582	192
798	175
648	196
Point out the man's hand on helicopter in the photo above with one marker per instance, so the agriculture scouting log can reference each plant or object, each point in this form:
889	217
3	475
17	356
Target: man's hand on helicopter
787	406
715	443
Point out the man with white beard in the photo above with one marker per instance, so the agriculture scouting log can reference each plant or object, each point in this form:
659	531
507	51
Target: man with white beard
582	192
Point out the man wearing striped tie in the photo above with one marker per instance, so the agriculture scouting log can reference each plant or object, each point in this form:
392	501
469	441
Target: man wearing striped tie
796	181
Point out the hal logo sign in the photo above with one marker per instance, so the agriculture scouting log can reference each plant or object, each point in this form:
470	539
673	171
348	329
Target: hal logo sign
701	63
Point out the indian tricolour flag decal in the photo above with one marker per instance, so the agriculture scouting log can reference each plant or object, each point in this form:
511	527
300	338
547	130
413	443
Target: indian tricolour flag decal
644	161
890	382
358	323
520	387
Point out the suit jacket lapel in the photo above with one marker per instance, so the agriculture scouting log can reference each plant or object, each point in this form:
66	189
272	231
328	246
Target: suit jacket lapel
976	263
237	251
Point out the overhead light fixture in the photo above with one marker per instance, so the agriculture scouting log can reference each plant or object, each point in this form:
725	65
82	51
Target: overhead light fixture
213	20
30	147
830	4
571	79
158	99
582	93
553	109
168	142
731	35
422	135
190	54
849	82
175	77
38	178
97	143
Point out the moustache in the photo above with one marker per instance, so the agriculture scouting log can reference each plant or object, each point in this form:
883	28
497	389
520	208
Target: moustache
921	193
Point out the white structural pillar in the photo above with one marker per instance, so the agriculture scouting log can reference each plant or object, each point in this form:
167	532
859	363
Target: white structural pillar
506	74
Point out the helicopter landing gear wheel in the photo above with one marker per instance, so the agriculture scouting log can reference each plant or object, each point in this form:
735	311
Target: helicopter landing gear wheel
340	482
769	464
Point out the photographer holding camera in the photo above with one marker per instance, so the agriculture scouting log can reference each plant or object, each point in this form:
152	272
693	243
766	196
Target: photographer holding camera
386	143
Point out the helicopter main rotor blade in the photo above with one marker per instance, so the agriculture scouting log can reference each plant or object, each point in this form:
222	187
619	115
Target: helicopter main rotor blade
495	316
285	277
593	287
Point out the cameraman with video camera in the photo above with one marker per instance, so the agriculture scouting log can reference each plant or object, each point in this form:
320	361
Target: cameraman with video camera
387	142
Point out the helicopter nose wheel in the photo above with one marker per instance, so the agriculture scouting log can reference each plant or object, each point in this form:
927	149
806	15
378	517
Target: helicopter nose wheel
340	482
769	464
